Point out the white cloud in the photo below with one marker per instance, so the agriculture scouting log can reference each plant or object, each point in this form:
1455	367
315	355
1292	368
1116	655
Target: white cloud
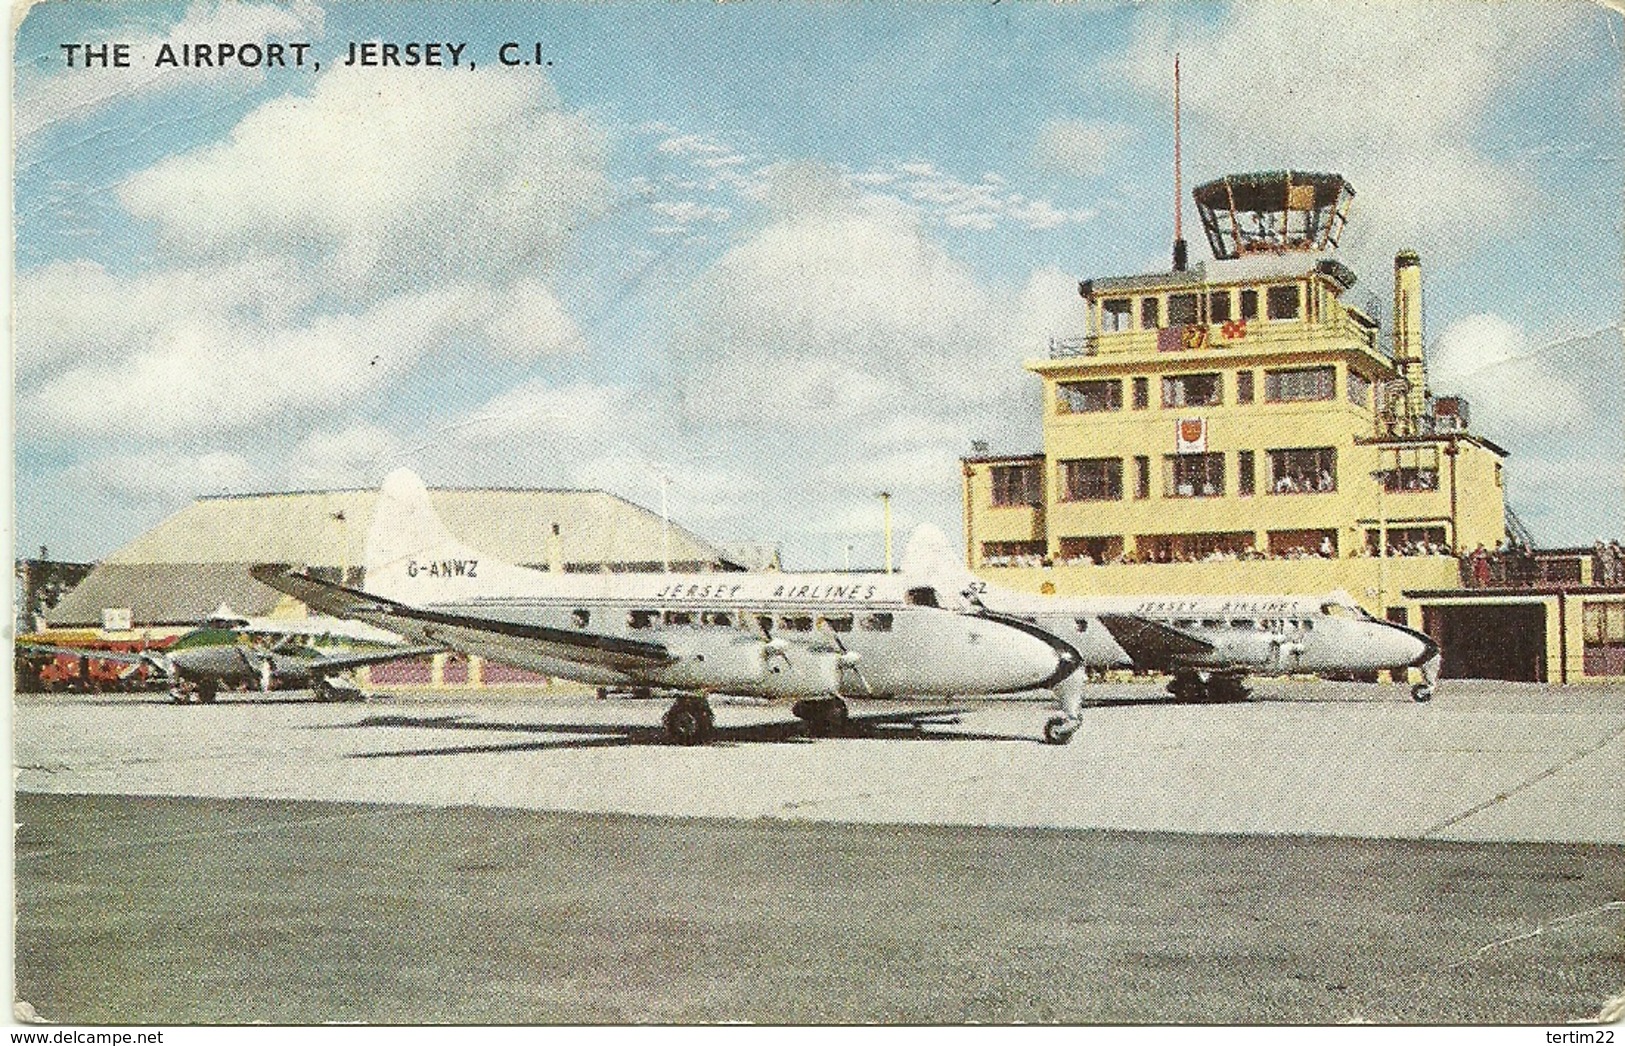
386	179
1488	359
1390	93
1079	147
161	475
356	456
212	373
70	95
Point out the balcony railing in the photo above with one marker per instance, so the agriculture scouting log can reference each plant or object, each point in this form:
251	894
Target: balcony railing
1239	336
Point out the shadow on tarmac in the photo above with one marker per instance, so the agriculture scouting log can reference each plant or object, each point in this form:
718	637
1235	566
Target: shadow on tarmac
891	726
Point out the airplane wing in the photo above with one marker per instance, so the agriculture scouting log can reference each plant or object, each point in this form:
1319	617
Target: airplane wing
121	657
585	648
329	663
1152	644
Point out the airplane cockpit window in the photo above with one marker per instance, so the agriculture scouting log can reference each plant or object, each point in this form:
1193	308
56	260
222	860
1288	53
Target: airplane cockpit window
796	623
580	617
679	617
641	618
842	623
923	596
876	623
716	617
1347	611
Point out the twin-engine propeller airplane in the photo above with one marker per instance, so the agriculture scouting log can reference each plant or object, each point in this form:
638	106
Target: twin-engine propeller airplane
1209	644
812	638
283	654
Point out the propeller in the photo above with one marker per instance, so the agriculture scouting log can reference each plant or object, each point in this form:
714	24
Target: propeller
847	659
771	645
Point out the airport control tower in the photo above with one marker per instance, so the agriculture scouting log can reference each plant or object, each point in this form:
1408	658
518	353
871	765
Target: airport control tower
1238	424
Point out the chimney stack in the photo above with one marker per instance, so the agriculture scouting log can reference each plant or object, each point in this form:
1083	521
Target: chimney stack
1408	336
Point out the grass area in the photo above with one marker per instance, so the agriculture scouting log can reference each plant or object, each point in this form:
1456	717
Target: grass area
168	911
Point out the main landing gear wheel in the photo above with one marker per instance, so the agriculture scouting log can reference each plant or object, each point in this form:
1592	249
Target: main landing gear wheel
689	721
1059	730
825	716
1421	693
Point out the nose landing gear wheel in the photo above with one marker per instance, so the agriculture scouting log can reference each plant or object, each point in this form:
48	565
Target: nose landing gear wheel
1059	730
1421	693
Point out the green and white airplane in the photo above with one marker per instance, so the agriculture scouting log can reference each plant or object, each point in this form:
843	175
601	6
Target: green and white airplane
265	653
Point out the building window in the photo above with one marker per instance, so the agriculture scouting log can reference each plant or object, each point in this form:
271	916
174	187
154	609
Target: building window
1302	544
1092	479
1142	393
1244	386
1410	470
1249	305
1142	477
1116	314
1283	302
1194	548
1096	550
1191	390
1193	476
1408	541
1089	397
1311	470
1359	390
1150	309
1603	632
1218	307
1012	553
1016	485
1244	472
1181	309
1300	384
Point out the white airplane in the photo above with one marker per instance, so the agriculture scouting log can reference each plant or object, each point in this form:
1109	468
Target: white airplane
1207	643
812	638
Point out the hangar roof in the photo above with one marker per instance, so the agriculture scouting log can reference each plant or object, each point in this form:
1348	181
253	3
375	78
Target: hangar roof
197	558
510	524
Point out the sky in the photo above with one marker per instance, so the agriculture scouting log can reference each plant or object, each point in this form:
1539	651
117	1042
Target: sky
776	258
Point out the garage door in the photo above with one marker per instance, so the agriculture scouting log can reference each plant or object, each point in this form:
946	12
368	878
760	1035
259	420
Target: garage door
1506	641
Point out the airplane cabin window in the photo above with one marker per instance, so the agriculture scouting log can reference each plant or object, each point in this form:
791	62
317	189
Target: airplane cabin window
1212	623
1082	623
1240	622
716	617
796	623
838	624
1186	623
679	617
641	618
922	597
877	623
764	622
581	617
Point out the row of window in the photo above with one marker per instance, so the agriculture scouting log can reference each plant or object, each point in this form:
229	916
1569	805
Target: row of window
1309	470
639	620
1284	302
1284	385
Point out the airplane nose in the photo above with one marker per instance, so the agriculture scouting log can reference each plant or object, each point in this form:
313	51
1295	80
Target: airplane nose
1035	660
1409	647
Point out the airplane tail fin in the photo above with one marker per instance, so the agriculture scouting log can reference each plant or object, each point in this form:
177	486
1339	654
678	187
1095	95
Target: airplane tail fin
412	558
928	555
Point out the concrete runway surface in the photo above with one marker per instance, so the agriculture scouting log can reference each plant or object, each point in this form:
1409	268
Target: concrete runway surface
1174	863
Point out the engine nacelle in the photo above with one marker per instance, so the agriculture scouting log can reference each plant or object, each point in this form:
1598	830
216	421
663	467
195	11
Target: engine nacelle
737	664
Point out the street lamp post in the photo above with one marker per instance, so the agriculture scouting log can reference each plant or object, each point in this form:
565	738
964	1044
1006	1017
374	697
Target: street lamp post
885	503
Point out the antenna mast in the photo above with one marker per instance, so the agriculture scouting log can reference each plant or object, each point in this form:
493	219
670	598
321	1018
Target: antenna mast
1179	192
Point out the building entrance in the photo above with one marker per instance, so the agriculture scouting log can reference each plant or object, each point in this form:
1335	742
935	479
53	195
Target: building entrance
1490	642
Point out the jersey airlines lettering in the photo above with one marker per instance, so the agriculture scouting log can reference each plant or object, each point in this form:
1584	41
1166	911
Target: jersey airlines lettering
813	592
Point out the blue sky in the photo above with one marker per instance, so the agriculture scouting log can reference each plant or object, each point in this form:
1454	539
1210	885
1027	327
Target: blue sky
785	255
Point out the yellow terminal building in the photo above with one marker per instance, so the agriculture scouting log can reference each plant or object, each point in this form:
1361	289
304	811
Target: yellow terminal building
1241	426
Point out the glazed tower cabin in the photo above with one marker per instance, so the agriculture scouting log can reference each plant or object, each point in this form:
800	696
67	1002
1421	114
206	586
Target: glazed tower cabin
1244	420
